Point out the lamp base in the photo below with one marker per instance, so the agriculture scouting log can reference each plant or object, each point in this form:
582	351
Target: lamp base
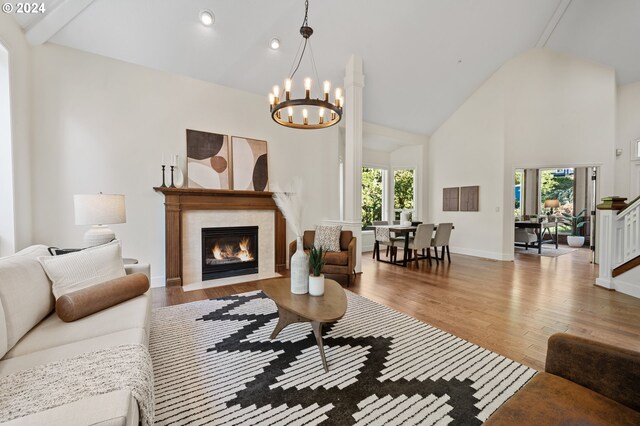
98	235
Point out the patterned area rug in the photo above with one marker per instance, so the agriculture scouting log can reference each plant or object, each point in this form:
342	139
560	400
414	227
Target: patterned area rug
215	364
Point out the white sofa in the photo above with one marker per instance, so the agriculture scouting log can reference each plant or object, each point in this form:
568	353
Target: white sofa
32	334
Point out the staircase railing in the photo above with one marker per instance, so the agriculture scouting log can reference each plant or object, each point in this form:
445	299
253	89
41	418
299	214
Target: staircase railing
618	240
627	234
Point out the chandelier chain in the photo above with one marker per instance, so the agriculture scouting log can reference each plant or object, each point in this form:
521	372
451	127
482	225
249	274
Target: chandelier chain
305	22
313	62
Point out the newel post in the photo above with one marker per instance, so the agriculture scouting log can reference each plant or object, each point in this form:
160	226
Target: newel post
607	237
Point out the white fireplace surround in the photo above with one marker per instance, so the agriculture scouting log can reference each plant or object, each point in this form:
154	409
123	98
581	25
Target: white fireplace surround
193	221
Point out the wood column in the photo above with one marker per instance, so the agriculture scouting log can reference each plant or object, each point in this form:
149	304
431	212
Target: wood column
178	200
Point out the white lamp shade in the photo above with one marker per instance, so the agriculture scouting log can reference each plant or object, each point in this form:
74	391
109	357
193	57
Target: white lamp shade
99	209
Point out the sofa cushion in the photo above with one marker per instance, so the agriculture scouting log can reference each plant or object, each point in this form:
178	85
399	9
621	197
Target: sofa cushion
113	408
25	295
52	331
337	258
85	268
34	359
549	399
118	408
328	237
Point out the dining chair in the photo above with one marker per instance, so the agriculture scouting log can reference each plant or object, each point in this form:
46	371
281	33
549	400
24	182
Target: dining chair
379	223
441	239
422	241
383	237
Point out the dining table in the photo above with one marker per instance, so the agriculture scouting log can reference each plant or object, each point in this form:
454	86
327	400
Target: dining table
406	231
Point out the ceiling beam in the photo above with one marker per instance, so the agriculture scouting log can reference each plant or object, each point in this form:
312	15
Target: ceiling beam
55	20
553	23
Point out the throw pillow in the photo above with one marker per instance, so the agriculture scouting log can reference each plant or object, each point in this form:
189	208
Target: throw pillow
85	268
328	237
57	251
79	304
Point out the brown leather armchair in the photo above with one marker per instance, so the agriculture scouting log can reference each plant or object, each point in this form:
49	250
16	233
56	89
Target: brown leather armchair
584	382
339	263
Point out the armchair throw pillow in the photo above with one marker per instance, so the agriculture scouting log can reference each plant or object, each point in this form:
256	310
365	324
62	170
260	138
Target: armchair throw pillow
328	237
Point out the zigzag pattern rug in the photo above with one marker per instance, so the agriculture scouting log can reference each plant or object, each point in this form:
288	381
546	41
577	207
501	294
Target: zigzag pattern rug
215	364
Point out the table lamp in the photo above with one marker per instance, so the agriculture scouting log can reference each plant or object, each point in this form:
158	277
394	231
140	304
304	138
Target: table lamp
99	210
551	204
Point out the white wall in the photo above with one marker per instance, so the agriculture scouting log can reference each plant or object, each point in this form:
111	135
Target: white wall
102	125
627	130
373	158
467	150
539	109
13	40
7	229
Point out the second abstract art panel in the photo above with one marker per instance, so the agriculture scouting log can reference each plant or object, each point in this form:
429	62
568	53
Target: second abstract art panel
250	166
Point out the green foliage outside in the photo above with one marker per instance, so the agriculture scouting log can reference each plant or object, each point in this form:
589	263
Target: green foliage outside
371	195
403	189
557	188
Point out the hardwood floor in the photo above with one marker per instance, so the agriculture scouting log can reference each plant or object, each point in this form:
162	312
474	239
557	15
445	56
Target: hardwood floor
508	307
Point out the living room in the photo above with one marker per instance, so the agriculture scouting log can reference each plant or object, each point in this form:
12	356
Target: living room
98	96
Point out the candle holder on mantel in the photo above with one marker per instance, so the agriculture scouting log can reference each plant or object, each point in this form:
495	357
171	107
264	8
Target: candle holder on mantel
164	185
172	184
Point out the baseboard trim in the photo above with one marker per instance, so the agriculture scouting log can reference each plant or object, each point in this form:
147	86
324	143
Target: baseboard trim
632	289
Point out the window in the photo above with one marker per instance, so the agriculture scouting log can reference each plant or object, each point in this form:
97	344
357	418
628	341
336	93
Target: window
404	192
373	195
637	148
519	193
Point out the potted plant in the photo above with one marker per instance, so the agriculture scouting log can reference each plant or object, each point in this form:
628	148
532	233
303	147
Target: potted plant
316	279
576	222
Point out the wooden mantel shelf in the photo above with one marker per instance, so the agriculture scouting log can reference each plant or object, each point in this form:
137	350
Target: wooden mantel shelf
215	192
177	200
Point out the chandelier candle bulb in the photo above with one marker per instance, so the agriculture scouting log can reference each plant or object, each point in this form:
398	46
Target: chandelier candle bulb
272	99
321	113
338	93
287	89
307	87
304	116
290	113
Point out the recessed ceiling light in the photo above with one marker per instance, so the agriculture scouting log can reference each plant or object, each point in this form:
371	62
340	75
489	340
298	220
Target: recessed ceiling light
207	18
274	44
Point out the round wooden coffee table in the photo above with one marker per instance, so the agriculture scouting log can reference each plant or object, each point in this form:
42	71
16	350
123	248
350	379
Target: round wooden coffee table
317	310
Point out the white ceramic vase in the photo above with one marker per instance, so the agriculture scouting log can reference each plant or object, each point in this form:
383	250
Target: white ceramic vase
316	285
299	270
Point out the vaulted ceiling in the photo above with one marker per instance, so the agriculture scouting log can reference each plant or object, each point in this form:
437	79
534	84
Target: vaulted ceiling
422	58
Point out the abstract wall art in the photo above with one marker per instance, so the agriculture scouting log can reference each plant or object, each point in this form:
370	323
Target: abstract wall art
207	160
250	166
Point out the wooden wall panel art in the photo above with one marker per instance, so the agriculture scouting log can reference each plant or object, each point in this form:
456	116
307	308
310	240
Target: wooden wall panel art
469	198
450	199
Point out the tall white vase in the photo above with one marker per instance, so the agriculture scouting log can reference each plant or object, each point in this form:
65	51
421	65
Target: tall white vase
299	270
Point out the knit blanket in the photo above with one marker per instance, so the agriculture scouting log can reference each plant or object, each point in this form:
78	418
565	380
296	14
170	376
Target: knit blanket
93	373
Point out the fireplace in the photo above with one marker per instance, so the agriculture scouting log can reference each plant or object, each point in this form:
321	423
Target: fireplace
229	251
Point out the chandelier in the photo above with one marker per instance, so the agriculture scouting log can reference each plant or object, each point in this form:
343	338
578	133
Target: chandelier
305	112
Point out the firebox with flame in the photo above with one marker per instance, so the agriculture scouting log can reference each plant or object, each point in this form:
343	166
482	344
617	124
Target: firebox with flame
229	252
